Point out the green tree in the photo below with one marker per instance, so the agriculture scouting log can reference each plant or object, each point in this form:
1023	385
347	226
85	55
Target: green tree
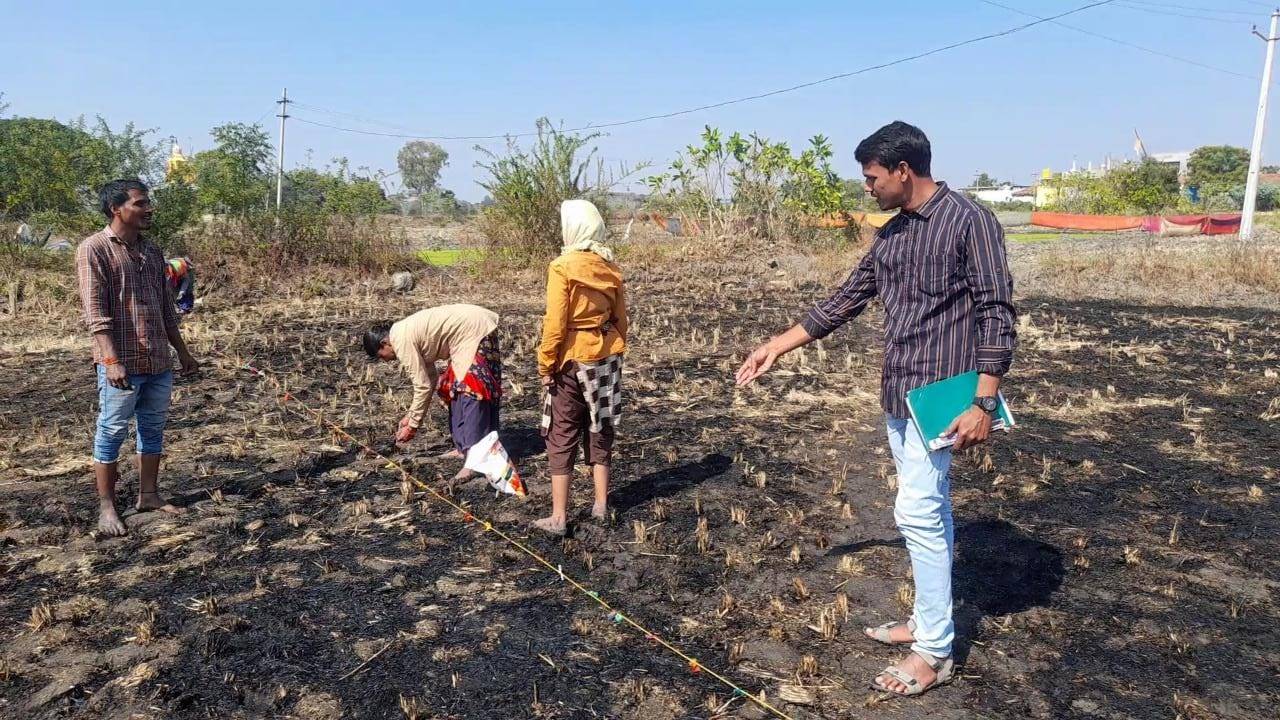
726	179
436	202
854	193
334	191
177	207
1217	169
234	176
420	163
1148	186
813	187
1086	193
49	167
527	187
984	180
131	155
308	187
359	196
758	174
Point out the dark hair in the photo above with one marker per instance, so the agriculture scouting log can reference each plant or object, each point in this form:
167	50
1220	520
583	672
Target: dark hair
374	337
894	143
116	193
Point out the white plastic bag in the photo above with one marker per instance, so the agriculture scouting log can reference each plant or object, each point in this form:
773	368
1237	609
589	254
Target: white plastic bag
489	458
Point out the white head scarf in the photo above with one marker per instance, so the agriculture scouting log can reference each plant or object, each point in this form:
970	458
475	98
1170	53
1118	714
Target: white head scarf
583	229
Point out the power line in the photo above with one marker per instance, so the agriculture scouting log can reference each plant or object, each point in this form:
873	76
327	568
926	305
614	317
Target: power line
339	113
1128	44
418	137
1269	7
1167	6
1172	13
734	101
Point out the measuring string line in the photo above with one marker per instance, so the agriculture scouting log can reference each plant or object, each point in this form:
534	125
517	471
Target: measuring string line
616	614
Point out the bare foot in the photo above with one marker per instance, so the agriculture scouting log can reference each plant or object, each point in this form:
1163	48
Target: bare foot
551	526
914	666
464	474
153	501
899	634
454	454
600	511
108	521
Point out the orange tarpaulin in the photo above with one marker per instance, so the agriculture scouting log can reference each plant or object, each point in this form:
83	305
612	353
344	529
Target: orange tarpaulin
1225	224
1070	221
1156	224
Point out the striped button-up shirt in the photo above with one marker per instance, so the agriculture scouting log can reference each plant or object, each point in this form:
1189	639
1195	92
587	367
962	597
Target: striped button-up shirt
943	277
123	292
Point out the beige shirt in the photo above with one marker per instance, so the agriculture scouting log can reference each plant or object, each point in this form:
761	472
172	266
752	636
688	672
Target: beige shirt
447	332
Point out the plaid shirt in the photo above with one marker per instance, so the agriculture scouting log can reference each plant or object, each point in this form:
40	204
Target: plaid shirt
123	292
942	274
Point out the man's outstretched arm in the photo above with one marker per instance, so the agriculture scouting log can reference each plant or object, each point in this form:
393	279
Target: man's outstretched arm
763	357
845	304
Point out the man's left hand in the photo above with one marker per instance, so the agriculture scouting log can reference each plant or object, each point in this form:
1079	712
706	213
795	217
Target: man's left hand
971	428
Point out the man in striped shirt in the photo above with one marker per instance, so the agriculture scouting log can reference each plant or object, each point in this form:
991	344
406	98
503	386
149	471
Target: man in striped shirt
939	267
129	311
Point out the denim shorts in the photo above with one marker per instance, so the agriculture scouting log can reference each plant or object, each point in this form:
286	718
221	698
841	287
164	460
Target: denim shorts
147	400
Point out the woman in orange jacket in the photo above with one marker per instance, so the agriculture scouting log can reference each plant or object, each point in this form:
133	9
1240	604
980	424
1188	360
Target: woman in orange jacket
584	335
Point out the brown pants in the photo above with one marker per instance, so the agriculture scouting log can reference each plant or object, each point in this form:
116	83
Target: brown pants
570	420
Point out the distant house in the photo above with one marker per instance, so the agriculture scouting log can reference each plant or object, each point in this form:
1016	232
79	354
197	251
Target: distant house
1045	192
1005	193
1178	159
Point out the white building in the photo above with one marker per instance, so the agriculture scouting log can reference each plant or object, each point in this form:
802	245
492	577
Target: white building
1003	194
1179	158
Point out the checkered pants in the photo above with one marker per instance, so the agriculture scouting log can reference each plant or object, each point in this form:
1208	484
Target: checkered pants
601	385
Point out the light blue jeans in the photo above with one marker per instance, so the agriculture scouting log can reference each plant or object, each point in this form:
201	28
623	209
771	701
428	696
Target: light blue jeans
148	401
923	514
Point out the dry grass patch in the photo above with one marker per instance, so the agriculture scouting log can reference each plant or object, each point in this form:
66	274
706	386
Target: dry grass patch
1191	272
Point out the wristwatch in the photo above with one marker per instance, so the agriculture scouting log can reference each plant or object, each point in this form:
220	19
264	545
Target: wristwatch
988	403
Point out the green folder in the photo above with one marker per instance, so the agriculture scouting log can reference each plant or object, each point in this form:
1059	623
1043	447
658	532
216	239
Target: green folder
934	406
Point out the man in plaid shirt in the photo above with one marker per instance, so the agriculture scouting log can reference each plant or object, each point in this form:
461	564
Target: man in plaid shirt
128	309
939	267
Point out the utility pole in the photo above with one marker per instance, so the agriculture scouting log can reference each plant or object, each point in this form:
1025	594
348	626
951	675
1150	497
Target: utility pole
1259	126
279	164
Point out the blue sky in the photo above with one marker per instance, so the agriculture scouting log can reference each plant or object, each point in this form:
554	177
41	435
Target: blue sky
1008	106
